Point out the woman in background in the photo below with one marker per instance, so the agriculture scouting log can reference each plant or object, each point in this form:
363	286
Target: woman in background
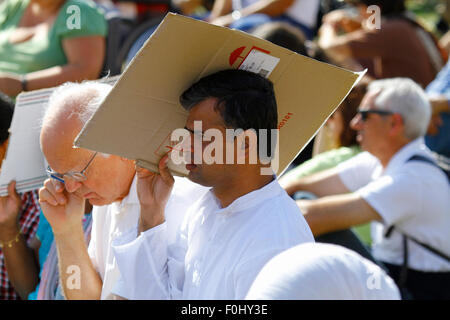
44	43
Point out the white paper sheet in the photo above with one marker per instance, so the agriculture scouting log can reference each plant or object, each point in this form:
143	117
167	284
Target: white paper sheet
24	161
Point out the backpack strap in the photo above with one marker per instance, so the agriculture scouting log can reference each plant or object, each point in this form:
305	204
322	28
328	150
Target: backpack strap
423	245
430	161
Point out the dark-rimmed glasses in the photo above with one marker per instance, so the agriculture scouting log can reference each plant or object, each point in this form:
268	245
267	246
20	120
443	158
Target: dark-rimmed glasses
365	113
74	175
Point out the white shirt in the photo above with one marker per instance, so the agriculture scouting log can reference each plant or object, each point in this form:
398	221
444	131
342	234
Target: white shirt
414	195
303	11
218	252
317	271
111	221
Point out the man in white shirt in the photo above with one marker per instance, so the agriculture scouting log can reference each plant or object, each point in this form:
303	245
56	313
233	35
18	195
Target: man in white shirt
107	181
390	187
233	230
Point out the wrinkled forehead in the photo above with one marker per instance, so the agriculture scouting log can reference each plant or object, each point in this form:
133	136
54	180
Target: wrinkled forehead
57	145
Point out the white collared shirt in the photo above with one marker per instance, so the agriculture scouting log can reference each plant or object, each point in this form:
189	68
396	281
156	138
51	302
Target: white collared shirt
218	252
111	221
414	195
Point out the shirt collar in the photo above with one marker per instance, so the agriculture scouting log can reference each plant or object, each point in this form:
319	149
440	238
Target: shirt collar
130	199
251	199
416	146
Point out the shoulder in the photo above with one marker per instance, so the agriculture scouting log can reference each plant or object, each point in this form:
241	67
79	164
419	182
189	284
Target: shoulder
280	221
362	161
424	173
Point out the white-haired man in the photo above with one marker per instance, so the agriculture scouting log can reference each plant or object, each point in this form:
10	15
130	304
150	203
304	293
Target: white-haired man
392	184
107	181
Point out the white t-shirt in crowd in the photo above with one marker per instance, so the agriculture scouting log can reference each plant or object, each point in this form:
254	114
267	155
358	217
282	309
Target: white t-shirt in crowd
303	11
218	252
111	221
413	195
318	271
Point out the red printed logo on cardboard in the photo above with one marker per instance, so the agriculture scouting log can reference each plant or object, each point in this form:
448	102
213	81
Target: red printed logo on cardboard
237	54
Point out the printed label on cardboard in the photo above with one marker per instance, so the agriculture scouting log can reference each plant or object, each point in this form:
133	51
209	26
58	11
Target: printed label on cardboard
260	63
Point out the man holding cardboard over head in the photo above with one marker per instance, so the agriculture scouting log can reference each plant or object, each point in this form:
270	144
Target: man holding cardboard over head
245	219
232	231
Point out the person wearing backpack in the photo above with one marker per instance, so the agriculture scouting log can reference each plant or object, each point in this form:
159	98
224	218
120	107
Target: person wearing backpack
396	184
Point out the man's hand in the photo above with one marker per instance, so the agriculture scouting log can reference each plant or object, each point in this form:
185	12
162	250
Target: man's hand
153	192
9	213
63	210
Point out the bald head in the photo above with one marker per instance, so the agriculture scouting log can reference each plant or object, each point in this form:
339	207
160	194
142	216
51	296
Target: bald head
70	106
108	179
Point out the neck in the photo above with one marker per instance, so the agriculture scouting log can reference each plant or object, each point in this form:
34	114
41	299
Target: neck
249	180
391	150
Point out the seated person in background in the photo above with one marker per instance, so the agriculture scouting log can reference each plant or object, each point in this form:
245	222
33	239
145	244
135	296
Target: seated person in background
108	182
395	47
391	184
344	139
317	271
343	136
233	230
247	14
439	93
42	282
19	218
284	35
46	43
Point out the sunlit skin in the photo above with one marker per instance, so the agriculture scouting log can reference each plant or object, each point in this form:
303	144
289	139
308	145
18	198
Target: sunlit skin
380	135
229	181
108	179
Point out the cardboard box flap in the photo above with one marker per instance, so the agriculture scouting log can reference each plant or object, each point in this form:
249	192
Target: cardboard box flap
136	119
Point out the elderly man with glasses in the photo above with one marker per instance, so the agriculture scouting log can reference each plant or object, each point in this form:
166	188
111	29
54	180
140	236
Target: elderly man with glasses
107	181
396	185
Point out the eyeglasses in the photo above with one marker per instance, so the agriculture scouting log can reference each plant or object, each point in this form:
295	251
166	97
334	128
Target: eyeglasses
77	176
365	113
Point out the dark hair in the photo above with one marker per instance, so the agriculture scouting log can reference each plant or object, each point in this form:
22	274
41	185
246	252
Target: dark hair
6	113
348	109
245	100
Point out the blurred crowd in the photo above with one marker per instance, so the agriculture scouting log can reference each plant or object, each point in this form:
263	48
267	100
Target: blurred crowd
372	186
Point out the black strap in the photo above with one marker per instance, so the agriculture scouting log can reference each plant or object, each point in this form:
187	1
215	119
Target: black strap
424	245
430	161
404	271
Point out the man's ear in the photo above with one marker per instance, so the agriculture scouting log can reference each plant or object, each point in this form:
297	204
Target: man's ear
397	123
248	142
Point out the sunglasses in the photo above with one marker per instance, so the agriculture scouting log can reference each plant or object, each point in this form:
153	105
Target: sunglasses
74	175
365	113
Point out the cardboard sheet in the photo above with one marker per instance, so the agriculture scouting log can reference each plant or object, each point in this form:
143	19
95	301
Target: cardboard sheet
138	116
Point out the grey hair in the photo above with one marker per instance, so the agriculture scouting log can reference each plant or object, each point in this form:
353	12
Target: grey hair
84	99
79	100
404	96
